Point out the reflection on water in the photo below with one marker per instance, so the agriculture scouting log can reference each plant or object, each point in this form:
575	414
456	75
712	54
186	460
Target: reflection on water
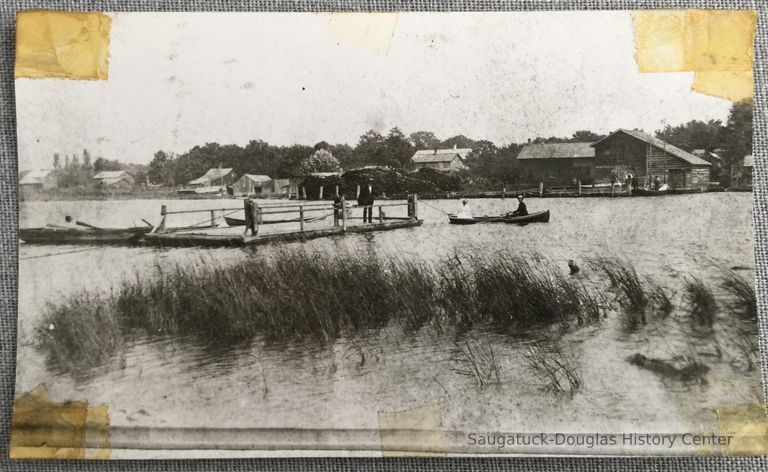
159	380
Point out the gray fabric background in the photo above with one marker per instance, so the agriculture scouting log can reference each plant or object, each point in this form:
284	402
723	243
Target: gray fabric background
9	238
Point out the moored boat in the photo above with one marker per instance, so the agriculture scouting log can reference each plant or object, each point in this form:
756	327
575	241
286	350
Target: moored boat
55	235
538	217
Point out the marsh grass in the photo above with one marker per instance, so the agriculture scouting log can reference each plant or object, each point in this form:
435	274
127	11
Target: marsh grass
741	294
474	359
555	368
700	303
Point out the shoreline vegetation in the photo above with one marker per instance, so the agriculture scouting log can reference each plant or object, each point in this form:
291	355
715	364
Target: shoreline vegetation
350	295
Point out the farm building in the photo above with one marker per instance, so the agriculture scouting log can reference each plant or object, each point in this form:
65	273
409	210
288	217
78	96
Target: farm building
557	162
647	158
251	184
36	180
114	179
741	172
280	187
215	176
447	160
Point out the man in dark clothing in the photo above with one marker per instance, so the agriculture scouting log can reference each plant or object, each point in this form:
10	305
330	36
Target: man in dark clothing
365	200
522	210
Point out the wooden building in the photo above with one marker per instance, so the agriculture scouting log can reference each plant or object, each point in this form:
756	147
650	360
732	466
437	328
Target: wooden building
647	158
37	180
447	160
556	163
215	176
251	184
741	172
114	179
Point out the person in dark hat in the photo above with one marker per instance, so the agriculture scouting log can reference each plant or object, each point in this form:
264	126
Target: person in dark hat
522	210
365	200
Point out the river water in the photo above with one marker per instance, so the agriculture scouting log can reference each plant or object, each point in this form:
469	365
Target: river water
162	381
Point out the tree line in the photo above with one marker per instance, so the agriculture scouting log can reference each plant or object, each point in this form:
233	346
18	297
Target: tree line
487	161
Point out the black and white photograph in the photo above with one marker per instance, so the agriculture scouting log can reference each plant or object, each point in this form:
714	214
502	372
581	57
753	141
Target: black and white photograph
385	234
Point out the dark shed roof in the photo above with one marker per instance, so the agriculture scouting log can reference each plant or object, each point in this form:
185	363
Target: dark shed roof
557	151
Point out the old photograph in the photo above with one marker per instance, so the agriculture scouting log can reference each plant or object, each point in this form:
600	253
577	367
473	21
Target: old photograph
385	234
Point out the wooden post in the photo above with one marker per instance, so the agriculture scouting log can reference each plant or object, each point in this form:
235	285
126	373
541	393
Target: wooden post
629	188
415	206
304	193
336	191
162	221
321	193
541	189
248	215
256	217
613	190
301	218
410	206
343	213
357	193
381	215
578	182
213	218
503	192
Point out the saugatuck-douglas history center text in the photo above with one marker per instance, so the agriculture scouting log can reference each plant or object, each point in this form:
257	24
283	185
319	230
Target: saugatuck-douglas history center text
596	440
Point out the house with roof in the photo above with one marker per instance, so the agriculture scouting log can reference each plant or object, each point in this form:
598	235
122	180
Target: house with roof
37	180
216	176
114	179
741	172
446	160
648	158
556	162
252	184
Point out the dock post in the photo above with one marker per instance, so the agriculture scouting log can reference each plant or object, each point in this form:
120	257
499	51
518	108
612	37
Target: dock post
213	218
256	217
578	182
321	193
301	218
304	193
503	192
541	189
613	190
381	215
163	209
336	191
357	192
248	215
344	213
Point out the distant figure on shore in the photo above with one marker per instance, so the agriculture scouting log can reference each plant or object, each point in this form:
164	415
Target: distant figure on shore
465	211
365	200
656	182
522	210
574	268
634	183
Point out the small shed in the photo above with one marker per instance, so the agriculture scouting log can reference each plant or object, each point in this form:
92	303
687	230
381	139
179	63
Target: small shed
114	179
216	176
252	184
446	160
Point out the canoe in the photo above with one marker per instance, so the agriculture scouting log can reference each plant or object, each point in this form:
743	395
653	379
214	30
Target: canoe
538	217
82	236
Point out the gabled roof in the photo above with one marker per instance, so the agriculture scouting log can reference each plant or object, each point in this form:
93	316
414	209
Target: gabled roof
259	179
33	177
111	174
113	180
749	161
213	174
663	145
557	151
440	155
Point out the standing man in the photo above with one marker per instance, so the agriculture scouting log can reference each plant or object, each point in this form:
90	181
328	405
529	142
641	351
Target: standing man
365	200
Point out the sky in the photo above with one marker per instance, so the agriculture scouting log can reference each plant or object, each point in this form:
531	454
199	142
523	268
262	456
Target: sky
177	80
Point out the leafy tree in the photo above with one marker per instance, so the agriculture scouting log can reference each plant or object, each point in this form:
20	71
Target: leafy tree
320	161
460	141
737	135
56	161
424	140
398	149
101	164
693	135
371	149
161	169
586	136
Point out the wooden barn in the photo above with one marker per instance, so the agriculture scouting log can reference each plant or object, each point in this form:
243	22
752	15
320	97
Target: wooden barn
216	176
446	160
114	179
647	158
251	184
556	163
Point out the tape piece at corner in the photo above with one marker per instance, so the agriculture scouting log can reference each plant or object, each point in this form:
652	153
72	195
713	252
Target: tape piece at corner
413	432
371	32
59	44
717	45
748	427
45	429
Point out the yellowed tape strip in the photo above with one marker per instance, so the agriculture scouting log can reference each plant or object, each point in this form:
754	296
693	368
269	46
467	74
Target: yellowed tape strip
717	45
62	45
371	32
44	429
413	432
748	427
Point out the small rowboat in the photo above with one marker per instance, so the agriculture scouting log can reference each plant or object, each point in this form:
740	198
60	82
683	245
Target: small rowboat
82	236
538	217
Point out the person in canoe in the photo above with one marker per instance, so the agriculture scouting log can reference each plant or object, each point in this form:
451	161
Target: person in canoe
465	211
522	210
